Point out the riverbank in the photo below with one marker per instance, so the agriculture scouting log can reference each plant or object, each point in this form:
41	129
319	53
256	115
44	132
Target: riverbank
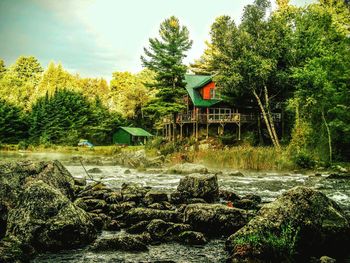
162	203
213	156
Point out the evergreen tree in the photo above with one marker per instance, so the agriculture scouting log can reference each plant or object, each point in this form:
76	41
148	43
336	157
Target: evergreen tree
165	57
13	123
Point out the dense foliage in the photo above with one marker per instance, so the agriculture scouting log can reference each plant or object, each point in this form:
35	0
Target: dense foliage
295	60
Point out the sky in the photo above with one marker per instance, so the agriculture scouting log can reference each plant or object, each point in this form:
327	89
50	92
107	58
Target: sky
97	37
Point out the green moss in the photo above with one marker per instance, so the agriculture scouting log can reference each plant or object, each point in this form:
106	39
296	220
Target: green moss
274	245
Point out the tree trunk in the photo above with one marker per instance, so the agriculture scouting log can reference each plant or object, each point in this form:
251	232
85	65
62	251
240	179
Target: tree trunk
270	118
174	127
265	118
329	137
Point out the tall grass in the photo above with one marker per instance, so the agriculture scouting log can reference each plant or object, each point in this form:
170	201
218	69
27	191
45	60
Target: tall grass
96	150
245	157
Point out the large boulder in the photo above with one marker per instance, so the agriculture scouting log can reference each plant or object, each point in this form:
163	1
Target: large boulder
48	220
199	186
14	175
215	219
301	223
188	168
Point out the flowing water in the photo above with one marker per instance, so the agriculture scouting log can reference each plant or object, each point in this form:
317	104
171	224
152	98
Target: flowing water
268	185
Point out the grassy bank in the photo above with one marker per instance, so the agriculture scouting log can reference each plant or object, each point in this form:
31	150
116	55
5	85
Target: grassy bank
96	150
239	157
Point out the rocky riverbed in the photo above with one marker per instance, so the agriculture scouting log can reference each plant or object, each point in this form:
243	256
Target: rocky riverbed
162	215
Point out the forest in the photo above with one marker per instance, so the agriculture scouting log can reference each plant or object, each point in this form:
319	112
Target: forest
294	58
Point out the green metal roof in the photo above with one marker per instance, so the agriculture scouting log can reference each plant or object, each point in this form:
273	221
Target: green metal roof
193	82
136	131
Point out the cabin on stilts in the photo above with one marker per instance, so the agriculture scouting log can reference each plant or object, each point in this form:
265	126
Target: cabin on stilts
206	110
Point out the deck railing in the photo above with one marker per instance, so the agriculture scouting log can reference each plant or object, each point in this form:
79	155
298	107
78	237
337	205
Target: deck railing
218	118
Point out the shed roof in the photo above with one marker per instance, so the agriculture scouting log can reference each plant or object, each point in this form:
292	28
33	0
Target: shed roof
136	131
193	82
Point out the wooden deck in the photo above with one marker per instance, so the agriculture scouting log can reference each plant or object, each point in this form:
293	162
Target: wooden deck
218	118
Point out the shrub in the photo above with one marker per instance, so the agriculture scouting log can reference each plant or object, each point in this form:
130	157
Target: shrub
304	160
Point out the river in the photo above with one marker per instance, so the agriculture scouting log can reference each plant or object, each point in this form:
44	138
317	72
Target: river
268	185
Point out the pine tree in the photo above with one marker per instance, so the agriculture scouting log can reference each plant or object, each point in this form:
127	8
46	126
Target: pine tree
165	57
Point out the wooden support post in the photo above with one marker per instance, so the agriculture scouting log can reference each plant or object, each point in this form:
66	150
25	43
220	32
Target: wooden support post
181	131
197	130
207	130
194	130
239	131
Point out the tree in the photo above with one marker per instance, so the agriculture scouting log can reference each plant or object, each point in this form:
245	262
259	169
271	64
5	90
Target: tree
2	68
19	83
322	79
13	123
165	57
130	93
249	61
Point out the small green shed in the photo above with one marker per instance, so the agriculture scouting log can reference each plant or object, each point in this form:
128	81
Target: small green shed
130	136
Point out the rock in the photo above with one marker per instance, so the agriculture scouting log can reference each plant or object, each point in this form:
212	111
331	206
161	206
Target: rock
48	220
200	186
246	204
138	227
188	168
326	259
124	242
97	221
133	192
14	175
178	198
113	225
114	197
339	176
215	219
13	251
301	223
236	173
341	169
254	198
93	204
135	215
3	219
127	171
95	170
160	230
79	181
96	190
192	238
196	201
155	196
121	208
228	195
156	206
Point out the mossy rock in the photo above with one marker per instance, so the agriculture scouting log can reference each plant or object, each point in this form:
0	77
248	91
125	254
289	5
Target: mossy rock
125	242
138	214
200	186
192	238
48	220
299	224
215	219
15	175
